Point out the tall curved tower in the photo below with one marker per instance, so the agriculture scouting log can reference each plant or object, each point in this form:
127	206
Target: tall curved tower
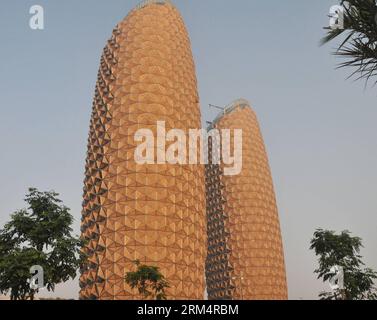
245	253
153	213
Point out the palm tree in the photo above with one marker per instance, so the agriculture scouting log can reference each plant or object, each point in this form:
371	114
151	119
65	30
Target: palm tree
359	45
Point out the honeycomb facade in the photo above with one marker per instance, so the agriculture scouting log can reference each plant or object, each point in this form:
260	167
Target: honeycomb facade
152	213
245	254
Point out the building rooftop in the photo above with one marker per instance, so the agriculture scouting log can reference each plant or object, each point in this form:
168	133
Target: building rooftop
240	103
148	2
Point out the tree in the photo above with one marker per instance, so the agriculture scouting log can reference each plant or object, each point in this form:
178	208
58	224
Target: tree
39	235
148	280
343	250
359	45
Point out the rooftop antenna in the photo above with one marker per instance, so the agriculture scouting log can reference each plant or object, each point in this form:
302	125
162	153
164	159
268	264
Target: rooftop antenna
216	107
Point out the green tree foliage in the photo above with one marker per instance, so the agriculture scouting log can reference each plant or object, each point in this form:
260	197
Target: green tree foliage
343	250
148	280
39	235
359	45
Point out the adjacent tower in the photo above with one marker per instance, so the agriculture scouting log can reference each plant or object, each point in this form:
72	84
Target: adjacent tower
153	213
245	253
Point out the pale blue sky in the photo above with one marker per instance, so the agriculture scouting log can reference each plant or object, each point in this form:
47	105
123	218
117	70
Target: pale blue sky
320	130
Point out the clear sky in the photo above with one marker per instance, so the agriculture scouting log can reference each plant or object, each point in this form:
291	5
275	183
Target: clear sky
320	129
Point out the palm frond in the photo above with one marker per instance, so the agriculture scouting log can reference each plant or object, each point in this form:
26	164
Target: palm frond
359	47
